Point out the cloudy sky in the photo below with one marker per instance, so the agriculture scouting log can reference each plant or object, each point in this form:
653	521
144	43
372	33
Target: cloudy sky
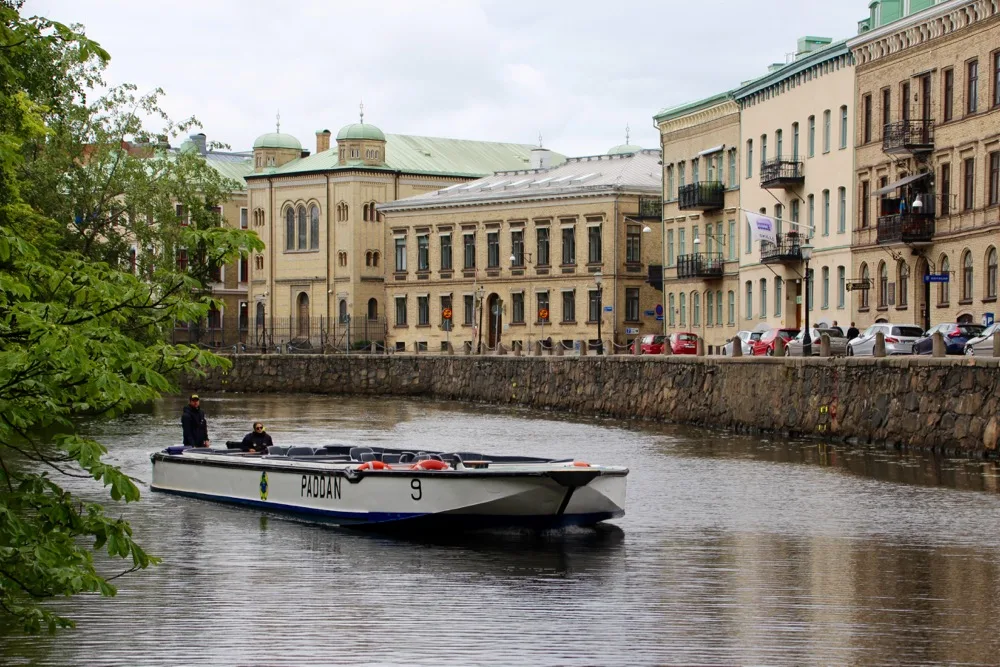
575	71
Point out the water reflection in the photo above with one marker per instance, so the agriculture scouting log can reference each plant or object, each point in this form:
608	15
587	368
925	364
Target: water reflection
735	550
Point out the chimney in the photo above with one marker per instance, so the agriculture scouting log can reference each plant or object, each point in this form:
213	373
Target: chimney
810	44
199	140
541	158
322	141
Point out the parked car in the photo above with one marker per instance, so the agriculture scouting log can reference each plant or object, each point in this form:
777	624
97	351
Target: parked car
649	344
899	339
765	344
747	338
982	345
684	342
955	337
838	342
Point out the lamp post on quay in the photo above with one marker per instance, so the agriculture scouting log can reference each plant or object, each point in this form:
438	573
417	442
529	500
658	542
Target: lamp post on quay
599	281
480	294
806	250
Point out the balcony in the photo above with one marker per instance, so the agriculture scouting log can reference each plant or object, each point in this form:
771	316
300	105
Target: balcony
705	196
781	173
650	207
908	137
700	265
787	250
910	228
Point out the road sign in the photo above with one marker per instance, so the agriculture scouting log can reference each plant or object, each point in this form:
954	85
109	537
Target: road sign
631	331
649	313
659	311
659	318
987	319
609	309
543	314
446	313
936	278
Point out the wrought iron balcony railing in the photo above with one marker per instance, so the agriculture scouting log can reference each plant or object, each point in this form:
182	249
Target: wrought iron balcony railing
703	196
906	137
787	249
906	228
700	265
781	173
650	207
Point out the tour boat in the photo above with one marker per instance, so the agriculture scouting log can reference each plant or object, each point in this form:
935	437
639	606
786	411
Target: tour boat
388	489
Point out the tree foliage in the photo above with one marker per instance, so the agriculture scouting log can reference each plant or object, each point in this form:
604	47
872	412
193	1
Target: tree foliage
83	181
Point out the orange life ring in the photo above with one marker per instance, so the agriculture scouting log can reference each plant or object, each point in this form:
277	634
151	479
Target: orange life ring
429	464
373	465
581	464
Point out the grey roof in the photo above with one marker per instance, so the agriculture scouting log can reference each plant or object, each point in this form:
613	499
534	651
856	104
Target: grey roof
638	173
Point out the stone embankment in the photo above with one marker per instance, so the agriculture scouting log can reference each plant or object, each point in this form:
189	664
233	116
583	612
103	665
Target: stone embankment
948	405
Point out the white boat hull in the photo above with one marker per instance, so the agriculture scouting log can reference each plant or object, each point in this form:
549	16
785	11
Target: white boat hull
529	495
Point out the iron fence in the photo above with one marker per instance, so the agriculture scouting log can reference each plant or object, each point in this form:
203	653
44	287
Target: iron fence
316	335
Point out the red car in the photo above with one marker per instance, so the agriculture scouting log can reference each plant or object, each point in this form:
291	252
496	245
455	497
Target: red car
765	344
684	342
649	344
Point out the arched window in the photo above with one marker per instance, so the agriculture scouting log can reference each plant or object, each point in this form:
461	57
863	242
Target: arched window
289	229
695	309
883	285
866	279
302	228
342	311
314	227
991	273
732	307
302	315
372	309
966	276
375	258
364	212
368	258
944	291
683	299
749	300
904	284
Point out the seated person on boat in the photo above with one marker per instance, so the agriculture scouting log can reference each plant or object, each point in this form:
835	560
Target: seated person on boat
256	440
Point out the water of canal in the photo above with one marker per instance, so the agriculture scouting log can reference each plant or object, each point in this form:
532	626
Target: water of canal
734	550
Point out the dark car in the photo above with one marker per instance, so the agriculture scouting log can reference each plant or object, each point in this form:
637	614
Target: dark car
955	337
765	345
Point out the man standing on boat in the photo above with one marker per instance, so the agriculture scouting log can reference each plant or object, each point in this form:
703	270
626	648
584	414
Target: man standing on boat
256	440
194	424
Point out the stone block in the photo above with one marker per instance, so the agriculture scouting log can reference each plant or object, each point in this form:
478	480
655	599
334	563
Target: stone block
938	347
737	346
879	345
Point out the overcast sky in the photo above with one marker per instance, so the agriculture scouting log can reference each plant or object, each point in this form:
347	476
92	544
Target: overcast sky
576	71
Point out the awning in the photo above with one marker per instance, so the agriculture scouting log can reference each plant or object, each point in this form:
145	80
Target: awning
709	151
901	182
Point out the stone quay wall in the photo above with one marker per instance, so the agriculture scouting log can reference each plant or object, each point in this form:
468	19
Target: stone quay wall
947	405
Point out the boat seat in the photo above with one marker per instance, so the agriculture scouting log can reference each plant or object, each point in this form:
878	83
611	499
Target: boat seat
391	458
300	451
423	456
453	458
367	456
435	457
471	456
356	453
407	457
275	450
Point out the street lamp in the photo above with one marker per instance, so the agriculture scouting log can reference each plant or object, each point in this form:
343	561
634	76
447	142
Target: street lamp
806	250
599	281
480	293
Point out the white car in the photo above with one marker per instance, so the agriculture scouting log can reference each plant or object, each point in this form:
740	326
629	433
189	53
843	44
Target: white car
899	339
746	337
982	346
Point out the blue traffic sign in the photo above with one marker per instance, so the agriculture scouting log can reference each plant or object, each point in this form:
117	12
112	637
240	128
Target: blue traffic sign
609	309
659	318
648	313
659	311
936	278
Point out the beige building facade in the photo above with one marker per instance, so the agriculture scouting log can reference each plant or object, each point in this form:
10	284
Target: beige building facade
525	255
320	283
701	218
928	165
797	125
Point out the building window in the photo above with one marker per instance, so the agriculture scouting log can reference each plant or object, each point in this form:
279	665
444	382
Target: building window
681	174
718	307
886	108
732	307
779	143
632	304
994	178
795	215
732	168
866	279
373	309
883	285
671	309
492	250
569	306
517	303
542	236
182	259
866	119
865	204
826	131
593	306
763	148
468	309
375	257
945	189
843	127
594	244
763	298
825	273
517	247
949	95
469	245
811	205
904	101
543	304
969	184
795	141
633	247
290	229
682	297
400	311
944	289
695	309
446	252
695	170
569	246
749	300
423	253
670	182
749	158
972	87
967	276
811	137
841	286
244	218
991	273
400	254
423	311
826	212
779	299
996	79
314	227
748	246
303	234
842	210
732	239
710	308
681	241
670	247
811	288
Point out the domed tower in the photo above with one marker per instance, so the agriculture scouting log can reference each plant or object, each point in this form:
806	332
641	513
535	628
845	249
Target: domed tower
275	149
361	143
626	148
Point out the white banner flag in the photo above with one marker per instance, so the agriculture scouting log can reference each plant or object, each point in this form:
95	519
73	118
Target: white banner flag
761	228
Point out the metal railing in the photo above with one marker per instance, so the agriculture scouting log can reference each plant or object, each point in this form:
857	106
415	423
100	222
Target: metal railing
650	207
787	249
700	265
703	196
908	136
315	335
780	172
906	228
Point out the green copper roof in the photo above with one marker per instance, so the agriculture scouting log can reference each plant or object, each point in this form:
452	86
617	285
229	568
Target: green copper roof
690	107
277	140
230	166
622	149
360	131
830	52
425	155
